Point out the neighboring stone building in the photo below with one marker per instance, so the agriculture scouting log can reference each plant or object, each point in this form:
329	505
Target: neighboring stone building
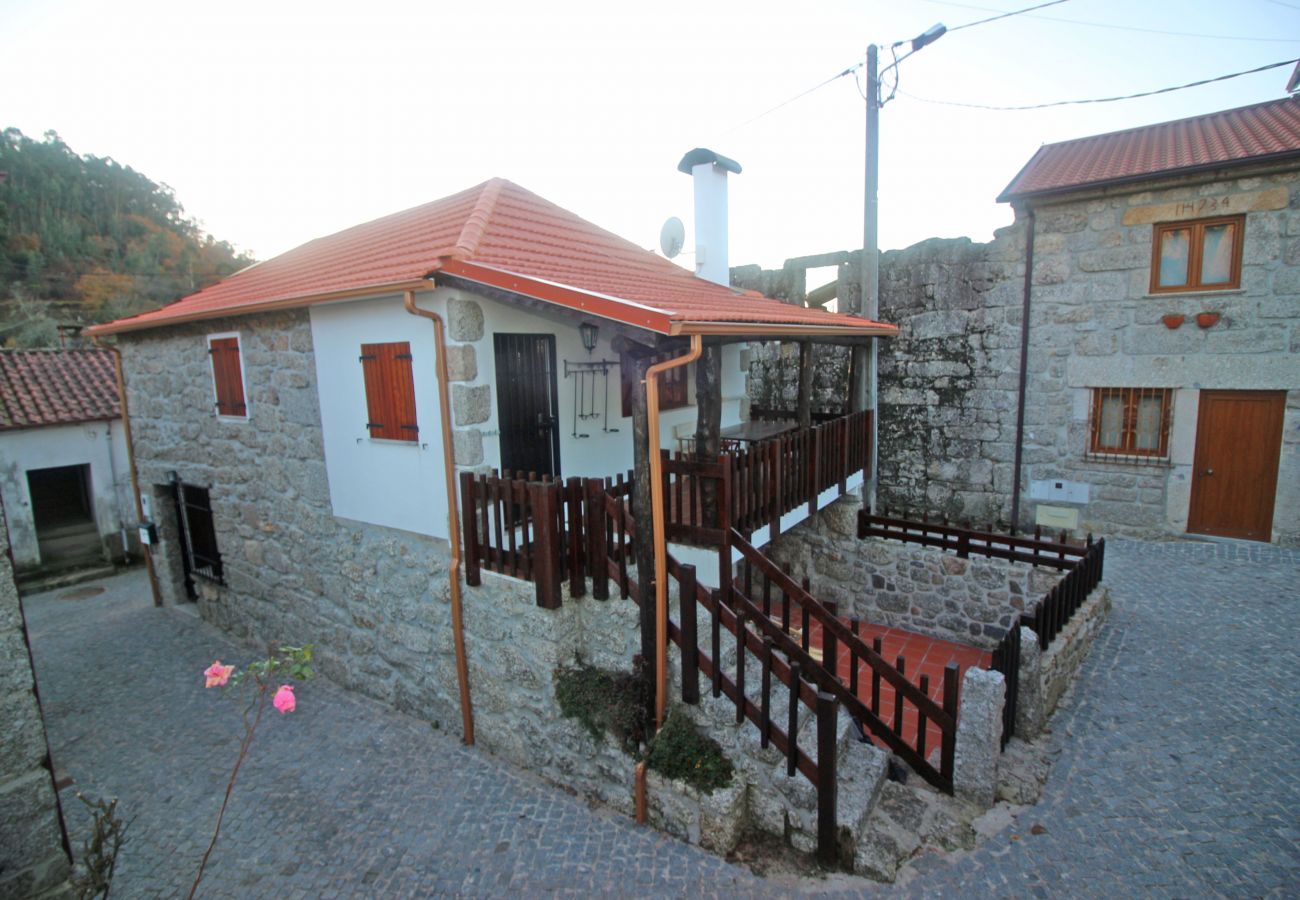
34	854
64	469
1162	394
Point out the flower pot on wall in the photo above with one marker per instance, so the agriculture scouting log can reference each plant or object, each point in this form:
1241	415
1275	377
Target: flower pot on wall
1207	319
1172	321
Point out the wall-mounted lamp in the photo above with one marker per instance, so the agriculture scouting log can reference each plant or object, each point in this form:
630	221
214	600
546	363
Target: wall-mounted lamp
589	332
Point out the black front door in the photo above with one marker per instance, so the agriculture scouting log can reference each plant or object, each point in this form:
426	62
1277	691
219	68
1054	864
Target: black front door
528	403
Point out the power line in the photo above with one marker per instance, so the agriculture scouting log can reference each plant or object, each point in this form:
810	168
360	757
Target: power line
1221	37
1005	15
1164	90
852	70
1287	5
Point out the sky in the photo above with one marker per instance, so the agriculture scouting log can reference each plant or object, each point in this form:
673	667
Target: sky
278	121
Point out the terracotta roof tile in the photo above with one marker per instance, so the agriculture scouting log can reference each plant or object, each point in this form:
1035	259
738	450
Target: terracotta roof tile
502	234
1230	137
55	387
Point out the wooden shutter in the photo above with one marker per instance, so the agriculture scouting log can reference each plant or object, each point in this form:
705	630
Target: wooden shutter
227	376
390	391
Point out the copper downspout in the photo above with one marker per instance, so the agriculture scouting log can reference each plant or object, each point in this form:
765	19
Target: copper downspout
453	520
130	461
657	520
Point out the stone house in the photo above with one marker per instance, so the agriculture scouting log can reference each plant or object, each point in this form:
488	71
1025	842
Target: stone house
64	462
1163	388
300	434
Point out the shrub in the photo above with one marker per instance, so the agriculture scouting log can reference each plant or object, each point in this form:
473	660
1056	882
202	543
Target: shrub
679	751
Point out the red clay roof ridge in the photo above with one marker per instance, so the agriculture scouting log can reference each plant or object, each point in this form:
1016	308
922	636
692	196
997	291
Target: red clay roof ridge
471	235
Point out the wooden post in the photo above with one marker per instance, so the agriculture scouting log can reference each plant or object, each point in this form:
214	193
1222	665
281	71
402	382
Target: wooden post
827	720
690	646
597	552
546	550
573	502
708	423
816	473
804	403
469	525
643	540
948	746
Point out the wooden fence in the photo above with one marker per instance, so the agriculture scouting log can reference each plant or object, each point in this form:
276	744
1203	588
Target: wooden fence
863	661
964	540
1054	611
778	662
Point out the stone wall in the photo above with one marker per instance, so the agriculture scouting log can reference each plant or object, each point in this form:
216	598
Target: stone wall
1045	675
922	589
948	383
33	857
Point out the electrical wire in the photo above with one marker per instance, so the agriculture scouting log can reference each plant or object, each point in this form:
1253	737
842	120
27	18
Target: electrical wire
1221	37
849	71
1005	15
1164	90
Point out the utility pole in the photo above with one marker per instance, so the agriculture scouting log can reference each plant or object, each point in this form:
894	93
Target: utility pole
863	393
863	390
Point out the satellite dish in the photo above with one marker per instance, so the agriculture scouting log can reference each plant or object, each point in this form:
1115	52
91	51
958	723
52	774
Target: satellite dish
672	236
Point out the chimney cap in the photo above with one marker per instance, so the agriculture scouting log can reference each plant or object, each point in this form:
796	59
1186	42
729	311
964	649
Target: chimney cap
701	155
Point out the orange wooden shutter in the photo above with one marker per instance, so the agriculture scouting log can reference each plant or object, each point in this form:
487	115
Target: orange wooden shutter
227	376
390	391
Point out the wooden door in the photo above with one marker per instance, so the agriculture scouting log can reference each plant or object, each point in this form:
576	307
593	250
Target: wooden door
528	403
1234	475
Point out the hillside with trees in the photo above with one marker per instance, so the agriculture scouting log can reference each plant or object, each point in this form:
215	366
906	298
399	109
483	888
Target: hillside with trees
84	239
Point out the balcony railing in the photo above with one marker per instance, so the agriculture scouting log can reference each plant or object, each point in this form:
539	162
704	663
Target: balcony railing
542	530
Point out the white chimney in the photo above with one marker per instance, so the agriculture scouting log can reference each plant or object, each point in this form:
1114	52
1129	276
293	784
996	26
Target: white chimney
710	170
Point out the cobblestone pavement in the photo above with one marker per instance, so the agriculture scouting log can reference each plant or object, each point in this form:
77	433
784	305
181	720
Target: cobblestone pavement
1176	775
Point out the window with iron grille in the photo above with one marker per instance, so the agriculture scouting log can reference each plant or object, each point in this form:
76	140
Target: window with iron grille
198	533
227	375
1202	255
1130	423
673	393
390	391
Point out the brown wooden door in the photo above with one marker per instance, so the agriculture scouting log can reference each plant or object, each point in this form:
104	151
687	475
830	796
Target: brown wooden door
1234	476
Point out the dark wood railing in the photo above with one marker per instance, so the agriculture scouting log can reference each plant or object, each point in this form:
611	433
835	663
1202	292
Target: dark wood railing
760	413
1083	563
963	540
1054	611
1006	659
781	665
862	660
537	528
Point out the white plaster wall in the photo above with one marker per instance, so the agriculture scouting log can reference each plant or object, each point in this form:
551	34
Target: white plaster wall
399	484
96	444
394	483
602	452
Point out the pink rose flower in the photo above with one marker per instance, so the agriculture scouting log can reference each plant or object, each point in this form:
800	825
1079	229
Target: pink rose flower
284	700
217	674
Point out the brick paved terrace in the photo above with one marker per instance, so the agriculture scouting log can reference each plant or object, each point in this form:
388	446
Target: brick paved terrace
1175	775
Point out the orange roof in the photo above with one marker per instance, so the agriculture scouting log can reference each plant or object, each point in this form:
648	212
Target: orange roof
502	236
56	387
1256	133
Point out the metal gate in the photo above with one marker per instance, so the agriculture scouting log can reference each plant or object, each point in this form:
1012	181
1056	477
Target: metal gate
528	403
198	536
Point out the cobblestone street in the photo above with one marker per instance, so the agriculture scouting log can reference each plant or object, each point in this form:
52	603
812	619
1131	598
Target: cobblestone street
1175	777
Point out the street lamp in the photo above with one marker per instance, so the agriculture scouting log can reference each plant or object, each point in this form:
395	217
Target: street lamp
863	389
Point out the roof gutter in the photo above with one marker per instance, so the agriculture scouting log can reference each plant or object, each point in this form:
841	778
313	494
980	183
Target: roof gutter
776	329
1024	370
453	519
126	325
657	520
130	461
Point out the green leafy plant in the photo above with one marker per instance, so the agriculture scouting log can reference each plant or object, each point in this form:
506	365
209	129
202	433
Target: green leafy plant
602	701
679	751
99	852
255	683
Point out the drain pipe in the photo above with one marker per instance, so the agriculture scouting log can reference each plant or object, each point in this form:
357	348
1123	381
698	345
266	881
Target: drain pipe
657	520
145	551
1024	369
453	519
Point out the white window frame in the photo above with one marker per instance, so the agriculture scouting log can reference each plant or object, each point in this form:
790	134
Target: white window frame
243	378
